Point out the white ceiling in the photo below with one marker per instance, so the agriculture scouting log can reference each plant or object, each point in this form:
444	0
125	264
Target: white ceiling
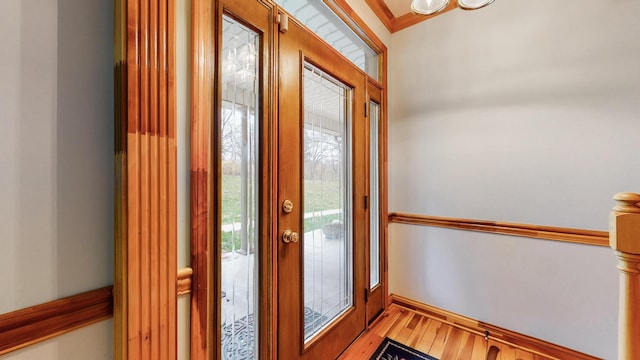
398	7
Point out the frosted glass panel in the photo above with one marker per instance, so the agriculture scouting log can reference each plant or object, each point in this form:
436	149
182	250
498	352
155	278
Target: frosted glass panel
239	156
374	196
328	268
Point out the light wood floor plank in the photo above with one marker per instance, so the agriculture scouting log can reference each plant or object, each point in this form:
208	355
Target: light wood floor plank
400	323
508	352
479	348
439	344
523	355
431	336
466	346
427	339
364	347
419	331
494	344
452	344
406	331
382	327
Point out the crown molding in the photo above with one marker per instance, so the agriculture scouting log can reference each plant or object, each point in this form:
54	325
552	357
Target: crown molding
394	24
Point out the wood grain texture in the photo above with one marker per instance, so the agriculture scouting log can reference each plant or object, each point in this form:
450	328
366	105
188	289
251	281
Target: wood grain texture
625	240
202	114
145	300
184	281
579	236
27	326
296	47
507	339
437	334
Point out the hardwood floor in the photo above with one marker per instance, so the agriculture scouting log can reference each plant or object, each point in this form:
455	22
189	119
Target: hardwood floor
440	340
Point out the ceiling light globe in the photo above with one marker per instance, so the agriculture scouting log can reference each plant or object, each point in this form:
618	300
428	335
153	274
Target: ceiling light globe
428	7
473	4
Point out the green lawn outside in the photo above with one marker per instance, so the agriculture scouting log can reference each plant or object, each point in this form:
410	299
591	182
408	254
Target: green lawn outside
320	196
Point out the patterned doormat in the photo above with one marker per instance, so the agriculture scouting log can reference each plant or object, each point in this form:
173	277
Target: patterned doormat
238	341
393	350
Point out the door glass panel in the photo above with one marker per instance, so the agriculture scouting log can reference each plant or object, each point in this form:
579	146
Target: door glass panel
328	267
239	156
374	221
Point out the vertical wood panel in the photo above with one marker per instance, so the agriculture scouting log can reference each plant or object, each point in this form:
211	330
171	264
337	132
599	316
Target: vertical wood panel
146	194
203	44
120	206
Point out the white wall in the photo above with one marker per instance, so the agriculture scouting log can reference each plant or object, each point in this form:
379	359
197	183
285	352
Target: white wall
524	112
56	156
93	342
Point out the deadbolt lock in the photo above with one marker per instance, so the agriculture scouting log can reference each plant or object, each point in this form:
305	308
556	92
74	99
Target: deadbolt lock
287	206
289	236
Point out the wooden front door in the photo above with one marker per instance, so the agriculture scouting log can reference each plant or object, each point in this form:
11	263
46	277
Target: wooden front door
321	189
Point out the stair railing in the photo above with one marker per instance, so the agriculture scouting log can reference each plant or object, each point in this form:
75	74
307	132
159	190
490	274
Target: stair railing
624	238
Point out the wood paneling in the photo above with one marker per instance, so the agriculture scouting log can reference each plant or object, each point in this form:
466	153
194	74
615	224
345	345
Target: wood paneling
27	326
202	197
145	302
580	236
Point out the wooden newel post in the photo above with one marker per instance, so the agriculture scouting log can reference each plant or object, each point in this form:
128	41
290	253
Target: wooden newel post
624	237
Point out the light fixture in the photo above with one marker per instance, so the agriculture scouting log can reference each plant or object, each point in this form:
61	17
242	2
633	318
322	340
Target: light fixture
473	4
429	7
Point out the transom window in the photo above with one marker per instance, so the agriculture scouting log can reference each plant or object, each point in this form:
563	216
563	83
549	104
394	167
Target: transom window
320	18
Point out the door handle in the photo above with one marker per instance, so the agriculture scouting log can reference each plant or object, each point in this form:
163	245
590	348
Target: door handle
289	236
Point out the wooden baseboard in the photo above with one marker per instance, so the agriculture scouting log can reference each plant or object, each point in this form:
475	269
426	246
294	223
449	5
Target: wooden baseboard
579	236
512	338
28	326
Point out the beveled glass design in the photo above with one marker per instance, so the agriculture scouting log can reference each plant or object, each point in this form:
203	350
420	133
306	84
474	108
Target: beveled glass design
238	129
374	195
328	212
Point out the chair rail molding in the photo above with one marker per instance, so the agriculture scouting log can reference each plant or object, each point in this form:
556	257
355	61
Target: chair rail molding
24	327
579	236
